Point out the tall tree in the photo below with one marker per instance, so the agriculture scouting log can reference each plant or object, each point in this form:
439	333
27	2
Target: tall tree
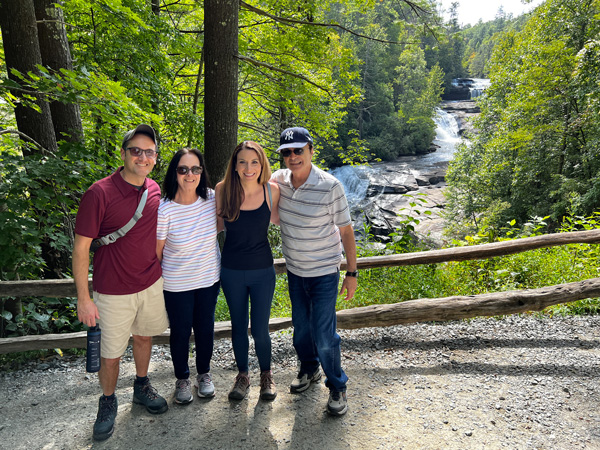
220	83
56	55
22	53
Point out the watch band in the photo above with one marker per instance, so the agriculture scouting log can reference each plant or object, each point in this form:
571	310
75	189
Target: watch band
352	274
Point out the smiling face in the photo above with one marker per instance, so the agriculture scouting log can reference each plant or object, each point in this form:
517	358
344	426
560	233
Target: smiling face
248	166
137	168
189	182
300	165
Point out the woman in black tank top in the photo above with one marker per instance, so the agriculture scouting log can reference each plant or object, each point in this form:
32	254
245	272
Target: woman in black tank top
246	203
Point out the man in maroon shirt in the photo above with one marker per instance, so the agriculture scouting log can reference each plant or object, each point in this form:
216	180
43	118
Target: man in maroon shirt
127	282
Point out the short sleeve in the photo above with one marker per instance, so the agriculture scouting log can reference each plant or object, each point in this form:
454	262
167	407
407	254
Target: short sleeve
162	227
90	215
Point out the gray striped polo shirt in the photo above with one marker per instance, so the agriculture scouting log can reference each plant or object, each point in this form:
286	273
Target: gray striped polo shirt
309	221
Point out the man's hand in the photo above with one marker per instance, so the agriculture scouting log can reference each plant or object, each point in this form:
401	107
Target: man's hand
87	312
349	285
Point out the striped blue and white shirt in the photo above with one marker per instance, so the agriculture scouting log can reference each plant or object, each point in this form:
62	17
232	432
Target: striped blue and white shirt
191	257
309	220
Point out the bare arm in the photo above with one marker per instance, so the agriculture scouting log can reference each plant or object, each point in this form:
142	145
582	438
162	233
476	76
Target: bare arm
275	205
350	283
87	312
218	190
160	246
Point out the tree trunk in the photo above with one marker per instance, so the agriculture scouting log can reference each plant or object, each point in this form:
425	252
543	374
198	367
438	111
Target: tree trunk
220	83
56	55
22	52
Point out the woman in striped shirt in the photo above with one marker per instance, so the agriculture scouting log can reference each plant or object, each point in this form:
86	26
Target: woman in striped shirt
189	253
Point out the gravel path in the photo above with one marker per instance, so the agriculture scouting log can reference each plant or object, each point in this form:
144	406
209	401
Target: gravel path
521	382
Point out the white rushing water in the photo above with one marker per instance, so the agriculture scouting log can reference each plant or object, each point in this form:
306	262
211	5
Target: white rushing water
356	179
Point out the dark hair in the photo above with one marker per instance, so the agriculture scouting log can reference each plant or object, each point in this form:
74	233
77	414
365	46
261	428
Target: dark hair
170	184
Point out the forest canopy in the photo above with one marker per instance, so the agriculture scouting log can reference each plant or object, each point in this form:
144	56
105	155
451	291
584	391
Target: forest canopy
364	76
76	75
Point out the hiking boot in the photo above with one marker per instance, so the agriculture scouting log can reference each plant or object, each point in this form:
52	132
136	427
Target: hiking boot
206	388
267	386
240	387
145	394
337	404
302	382
183	392
105	420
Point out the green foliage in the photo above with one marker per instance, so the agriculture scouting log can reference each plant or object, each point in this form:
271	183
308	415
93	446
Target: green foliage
536	153
394	115
41	316
527	270
481	39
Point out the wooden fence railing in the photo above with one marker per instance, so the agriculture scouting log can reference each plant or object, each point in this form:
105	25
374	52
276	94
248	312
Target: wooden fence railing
420	310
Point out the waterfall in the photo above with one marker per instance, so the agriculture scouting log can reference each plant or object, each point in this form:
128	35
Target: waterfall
354	180
357	179
476	86
447	126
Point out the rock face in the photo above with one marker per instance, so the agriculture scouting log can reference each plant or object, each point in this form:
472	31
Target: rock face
399	194
464	111
408	199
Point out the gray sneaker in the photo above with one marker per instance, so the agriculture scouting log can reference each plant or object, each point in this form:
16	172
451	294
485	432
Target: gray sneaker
240	388
105	420
145	394
206	388
303	380
337	404
183	392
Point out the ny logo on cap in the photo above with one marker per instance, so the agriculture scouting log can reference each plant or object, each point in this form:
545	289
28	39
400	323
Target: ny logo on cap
289	135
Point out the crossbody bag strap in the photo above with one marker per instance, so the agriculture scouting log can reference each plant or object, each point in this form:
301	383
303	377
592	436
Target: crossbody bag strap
112	237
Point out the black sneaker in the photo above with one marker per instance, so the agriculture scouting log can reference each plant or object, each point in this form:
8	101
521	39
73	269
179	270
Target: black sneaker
105	420
337	404
303	380
145	394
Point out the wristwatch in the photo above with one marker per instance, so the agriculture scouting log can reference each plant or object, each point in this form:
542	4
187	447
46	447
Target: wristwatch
352	274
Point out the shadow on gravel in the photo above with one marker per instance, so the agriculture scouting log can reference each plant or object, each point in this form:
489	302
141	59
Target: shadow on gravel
514	370
467	344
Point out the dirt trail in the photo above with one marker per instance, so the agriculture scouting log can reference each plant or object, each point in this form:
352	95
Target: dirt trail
517	383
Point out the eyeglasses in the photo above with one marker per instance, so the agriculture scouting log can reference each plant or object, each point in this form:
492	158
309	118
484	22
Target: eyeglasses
183	170
136	151
288	151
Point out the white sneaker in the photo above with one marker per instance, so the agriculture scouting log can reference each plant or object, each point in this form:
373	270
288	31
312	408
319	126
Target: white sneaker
337	404
303	380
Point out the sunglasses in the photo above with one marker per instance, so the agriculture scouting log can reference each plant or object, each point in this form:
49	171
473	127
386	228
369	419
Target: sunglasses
136	151
288	151
183	170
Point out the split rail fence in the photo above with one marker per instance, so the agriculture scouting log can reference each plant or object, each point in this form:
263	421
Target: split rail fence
410	311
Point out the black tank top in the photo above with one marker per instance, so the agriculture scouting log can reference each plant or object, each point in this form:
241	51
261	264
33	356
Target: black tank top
246	243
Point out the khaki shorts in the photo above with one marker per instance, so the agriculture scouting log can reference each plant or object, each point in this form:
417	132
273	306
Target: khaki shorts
141	314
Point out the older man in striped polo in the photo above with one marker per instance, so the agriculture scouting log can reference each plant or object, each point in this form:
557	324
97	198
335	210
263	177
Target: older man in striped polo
315	222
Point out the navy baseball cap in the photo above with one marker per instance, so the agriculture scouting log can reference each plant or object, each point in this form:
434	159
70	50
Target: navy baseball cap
140	129
295	137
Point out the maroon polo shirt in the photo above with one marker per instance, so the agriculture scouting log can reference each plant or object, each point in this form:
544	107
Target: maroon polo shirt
128	265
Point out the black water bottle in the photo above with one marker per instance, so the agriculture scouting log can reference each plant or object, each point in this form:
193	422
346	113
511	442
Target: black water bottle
93	349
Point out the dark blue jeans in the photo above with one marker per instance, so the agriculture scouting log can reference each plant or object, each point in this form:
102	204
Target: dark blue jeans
192	310
315	337
258	286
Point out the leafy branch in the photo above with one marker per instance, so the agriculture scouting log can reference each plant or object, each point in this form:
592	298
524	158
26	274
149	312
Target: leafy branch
416	8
